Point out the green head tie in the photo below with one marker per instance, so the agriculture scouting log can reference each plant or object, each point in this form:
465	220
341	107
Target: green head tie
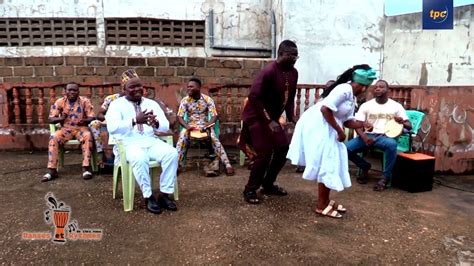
364	77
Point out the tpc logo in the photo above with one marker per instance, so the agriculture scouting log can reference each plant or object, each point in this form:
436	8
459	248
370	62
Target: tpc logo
438	14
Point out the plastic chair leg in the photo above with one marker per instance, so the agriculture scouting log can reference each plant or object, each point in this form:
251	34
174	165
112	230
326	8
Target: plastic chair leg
60	158
242	158
154	176
176	192
94	161
128	187
115	181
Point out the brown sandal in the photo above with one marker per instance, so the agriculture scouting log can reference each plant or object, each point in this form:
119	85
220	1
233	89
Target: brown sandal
381	185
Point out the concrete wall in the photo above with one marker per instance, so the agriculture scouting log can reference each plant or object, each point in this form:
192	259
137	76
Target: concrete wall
237	23
448	128
331	35
429	57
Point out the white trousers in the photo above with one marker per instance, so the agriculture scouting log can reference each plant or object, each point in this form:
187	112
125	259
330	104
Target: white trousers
156	150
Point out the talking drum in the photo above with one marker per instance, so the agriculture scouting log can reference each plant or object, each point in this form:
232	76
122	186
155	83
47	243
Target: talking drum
198	135
393	129
60	218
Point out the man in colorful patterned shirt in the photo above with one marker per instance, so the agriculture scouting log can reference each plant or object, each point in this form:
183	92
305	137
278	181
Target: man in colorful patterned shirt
197	106
74	113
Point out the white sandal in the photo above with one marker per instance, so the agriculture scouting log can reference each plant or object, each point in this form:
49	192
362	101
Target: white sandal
339	207
330	212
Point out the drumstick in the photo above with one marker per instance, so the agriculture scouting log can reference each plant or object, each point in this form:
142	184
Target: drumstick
208	126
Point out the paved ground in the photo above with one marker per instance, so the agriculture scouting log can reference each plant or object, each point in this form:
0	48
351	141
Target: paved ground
214	225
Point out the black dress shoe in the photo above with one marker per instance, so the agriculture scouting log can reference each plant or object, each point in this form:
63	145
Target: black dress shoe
274	190
167	203
152	206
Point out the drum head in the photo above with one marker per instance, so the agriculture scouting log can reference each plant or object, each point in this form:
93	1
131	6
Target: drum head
197	134
393	129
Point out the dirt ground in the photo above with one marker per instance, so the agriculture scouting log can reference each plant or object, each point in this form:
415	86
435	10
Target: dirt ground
215	226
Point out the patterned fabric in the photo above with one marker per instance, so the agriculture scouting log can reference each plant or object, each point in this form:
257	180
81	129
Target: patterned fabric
75	111
128	75
99	132
197	110
138	110
82	134
108	100
99	129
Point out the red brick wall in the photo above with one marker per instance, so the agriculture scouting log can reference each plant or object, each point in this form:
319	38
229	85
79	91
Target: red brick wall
166	70
169	72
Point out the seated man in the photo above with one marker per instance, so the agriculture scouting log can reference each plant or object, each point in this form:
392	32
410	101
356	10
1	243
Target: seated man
197	106
74	113
99	128
133	120
378	112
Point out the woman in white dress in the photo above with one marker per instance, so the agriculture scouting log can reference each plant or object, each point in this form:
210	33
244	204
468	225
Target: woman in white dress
318	139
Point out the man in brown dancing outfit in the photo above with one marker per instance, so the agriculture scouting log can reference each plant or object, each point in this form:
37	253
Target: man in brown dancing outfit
272	92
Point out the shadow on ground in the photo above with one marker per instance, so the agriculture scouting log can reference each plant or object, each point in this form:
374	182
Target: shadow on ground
215	226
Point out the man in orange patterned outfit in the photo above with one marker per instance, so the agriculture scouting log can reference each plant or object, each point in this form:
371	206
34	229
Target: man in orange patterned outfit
74	113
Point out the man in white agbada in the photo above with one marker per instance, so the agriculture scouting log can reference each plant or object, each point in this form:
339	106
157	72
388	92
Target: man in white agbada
134	119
